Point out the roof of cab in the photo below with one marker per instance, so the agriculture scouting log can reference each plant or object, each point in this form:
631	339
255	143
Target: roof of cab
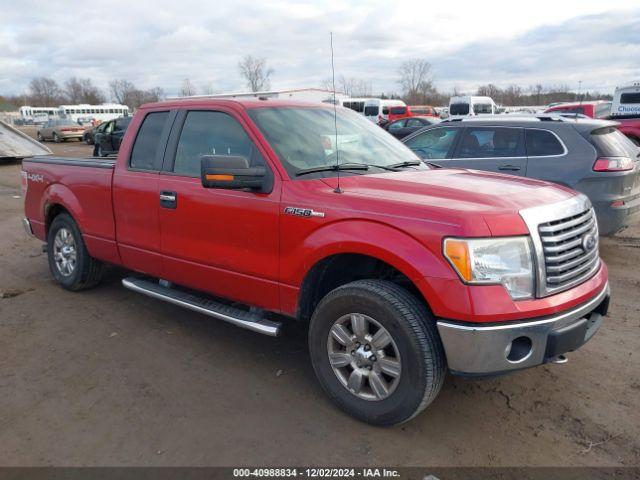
247	103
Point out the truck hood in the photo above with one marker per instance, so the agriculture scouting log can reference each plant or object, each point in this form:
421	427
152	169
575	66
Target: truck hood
468	190
457	193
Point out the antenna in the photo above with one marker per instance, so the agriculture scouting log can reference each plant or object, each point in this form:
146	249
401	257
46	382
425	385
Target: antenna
335	115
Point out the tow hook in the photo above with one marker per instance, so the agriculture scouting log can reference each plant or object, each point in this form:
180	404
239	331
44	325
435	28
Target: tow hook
559	359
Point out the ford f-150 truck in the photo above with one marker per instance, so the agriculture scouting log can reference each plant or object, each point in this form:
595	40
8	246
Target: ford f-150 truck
257	211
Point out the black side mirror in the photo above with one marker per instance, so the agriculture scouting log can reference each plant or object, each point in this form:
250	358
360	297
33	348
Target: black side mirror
233	173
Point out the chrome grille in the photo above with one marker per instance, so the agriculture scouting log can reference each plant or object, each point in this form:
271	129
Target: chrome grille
567	258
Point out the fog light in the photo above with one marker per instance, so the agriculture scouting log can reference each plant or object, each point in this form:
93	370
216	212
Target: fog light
519	349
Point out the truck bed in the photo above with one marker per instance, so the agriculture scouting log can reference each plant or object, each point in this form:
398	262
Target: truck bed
84	186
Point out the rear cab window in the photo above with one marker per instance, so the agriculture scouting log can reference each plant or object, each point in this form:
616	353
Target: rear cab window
459	109
371	111
147	150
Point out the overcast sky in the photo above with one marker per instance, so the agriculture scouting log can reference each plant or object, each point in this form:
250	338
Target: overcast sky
160	43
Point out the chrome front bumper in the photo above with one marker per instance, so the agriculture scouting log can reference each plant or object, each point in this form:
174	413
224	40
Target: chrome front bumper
502	347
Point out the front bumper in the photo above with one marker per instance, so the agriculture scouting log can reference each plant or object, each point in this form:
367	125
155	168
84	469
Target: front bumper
493	349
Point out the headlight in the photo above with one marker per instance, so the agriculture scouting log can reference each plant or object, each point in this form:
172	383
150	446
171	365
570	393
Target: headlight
505	261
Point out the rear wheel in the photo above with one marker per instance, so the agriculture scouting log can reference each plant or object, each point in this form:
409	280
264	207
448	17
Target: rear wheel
40	137
56	138
376	351
69	261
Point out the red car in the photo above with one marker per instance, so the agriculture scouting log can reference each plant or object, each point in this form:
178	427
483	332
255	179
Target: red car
403	111
629	125
255	212
595	109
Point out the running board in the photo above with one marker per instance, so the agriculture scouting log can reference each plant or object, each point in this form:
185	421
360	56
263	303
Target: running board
236	316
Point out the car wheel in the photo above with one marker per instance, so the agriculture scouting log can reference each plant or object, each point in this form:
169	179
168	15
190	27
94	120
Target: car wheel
100	151
69	261
56	138
40	137
88	140
376	351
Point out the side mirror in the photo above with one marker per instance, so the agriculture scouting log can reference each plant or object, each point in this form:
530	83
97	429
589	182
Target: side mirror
232	172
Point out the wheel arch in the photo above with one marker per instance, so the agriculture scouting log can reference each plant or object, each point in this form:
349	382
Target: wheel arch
394	256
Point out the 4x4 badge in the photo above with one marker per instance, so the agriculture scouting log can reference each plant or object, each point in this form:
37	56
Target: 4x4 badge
302	212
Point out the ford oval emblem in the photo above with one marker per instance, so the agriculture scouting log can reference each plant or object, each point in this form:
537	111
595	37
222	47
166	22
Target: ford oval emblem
588	242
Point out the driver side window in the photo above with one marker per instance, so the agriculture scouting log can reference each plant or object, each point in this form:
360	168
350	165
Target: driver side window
212	133
433	144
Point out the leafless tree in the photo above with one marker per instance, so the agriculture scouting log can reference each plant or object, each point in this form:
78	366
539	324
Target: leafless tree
188	89
255	73
121	91
416	80
82	91
45	92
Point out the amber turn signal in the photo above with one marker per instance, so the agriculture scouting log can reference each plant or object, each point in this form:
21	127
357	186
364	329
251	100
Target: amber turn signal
219	178
457	252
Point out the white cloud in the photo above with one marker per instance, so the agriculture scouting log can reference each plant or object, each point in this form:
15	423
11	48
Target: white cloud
160	42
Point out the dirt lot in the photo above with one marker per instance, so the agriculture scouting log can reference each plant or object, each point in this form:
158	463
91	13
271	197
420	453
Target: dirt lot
109	377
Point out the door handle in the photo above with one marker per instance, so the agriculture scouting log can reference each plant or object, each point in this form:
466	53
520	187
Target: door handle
168	199
513	168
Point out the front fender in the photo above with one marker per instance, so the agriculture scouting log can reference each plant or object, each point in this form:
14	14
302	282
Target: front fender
411	257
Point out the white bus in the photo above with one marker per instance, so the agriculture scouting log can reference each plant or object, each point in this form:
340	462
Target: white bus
377	109
84	113
37	114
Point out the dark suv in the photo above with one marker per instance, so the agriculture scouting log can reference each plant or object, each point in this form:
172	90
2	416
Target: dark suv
587	155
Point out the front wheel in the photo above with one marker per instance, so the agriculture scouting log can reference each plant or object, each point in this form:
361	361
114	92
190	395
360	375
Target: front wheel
376	351
69	261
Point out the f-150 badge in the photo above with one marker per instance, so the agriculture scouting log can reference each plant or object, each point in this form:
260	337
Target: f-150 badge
302	212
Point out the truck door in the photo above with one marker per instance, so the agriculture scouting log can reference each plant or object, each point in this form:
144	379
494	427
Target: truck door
495	149
224	242
135	196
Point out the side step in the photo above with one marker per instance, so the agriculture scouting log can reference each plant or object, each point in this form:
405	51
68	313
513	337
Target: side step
236	316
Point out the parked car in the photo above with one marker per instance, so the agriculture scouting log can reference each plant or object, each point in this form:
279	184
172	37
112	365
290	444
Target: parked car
108	136
402	111
245	211
60	130
406	126
592	109
587	155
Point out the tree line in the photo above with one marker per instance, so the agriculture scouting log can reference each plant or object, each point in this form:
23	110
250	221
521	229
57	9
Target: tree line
415	79
46	92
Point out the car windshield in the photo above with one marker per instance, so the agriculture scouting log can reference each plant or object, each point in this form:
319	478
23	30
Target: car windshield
305	138
459	109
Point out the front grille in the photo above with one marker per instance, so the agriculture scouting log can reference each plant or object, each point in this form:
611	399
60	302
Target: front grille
567	256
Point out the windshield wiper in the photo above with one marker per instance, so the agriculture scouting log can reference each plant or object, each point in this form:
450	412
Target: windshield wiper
334	168
406	163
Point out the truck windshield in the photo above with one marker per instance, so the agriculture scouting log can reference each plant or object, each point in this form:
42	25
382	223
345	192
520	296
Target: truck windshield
305	138
459	109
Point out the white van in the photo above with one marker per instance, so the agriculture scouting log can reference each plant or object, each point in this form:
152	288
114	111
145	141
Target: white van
626	101
355	104
377	109
470	106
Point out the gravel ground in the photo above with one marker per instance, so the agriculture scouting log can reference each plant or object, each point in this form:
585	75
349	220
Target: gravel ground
109	377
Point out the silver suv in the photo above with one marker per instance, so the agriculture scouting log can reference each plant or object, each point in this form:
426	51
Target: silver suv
587	155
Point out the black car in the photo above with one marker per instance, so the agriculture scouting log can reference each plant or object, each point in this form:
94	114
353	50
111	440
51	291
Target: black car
406	126
107	136
587	155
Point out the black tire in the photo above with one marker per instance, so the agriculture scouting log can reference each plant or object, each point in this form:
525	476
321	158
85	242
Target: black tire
40	137
88	140
414	331
87	272
56	138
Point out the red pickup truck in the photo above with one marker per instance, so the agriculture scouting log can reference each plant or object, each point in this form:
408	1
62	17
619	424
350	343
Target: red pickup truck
257	211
